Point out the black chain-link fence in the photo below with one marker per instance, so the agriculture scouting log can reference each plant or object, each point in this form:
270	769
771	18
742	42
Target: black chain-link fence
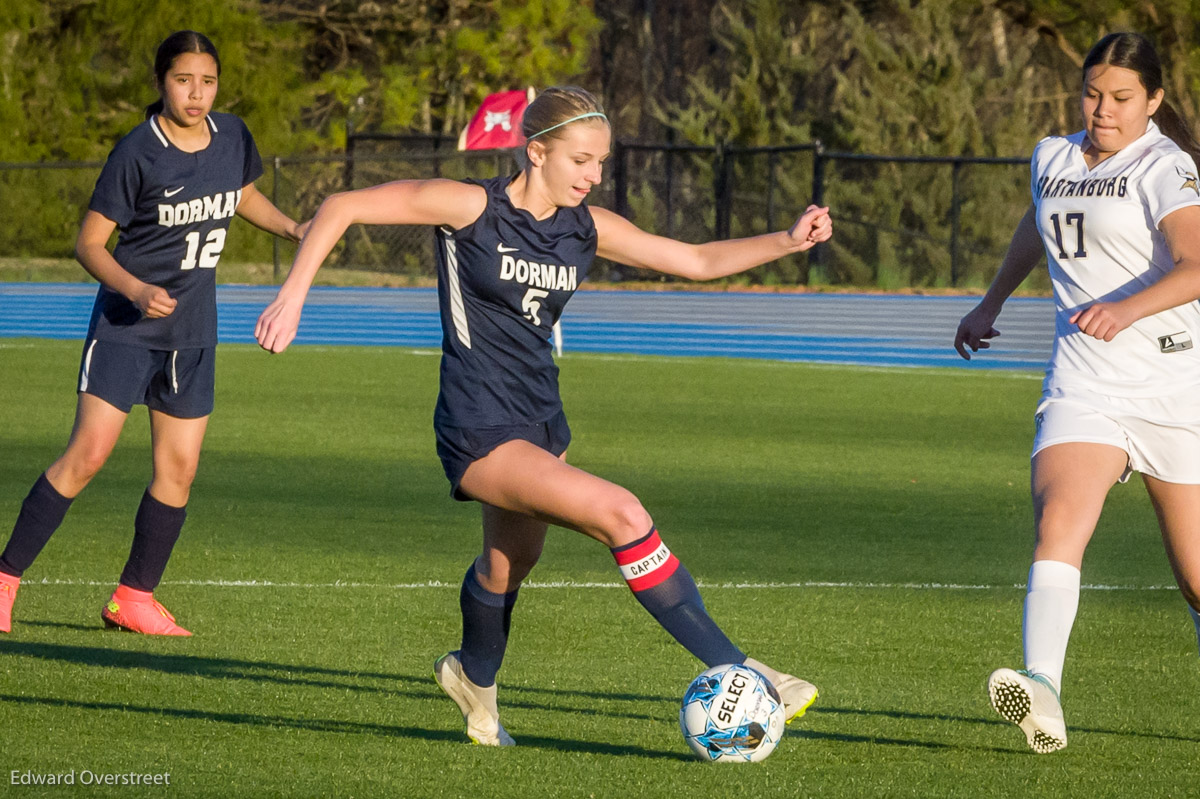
41	206
900	222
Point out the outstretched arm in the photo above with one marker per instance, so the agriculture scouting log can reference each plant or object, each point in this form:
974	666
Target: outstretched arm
1181	285
622	241
1024	252
404	202
256	209
91	250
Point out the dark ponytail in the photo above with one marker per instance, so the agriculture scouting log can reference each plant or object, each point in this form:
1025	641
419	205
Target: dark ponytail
172	47
1134	52
1177	129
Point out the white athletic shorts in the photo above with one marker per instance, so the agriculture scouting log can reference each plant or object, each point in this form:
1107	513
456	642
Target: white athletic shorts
1160	436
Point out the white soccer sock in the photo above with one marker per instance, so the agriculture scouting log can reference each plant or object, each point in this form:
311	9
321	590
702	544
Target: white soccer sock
1196	619
1051	600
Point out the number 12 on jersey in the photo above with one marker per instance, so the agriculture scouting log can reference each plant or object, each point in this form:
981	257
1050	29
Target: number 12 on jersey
209	255
1074	220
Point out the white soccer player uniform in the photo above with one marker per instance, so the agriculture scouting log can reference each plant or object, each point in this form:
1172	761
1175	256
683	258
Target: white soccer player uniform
1140	391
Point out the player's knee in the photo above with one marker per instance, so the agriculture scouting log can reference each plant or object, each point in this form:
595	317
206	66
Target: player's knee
518	570
501	575
178	472
521	563
1060	536
628	520
83	463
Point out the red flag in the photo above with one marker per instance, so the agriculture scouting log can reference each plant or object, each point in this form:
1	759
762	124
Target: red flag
497	123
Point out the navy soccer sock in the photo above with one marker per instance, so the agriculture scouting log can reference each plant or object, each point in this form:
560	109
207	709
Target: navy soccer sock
41	514
666	589
486	620
155	530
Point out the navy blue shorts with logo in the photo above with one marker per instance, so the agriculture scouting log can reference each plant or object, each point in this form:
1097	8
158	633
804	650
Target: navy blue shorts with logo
459	447
179	383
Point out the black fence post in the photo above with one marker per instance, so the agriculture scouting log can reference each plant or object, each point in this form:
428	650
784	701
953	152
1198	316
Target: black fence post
723	191
620	180
772	162
955	218
817	259
670	155
350	140
818	182
275	202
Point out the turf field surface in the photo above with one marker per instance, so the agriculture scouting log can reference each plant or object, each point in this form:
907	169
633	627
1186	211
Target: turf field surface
866	529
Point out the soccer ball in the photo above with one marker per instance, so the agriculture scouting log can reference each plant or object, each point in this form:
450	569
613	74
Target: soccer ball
731	714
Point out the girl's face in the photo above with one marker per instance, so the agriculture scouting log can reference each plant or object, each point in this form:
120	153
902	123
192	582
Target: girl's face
572	164
189	89
1116	107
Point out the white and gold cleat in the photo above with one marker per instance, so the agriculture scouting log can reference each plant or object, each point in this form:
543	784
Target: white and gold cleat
797	694
478	705
1030	702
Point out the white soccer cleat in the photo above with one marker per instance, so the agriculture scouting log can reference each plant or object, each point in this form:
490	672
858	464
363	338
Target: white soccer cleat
478	705
1030	702
797	694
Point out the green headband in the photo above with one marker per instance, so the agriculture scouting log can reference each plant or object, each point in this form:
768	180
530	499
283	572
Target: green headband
568	121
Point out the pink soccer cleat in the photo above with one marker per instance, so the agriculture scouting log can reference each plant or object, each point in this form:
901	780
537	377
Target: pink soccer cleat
8	593
139	612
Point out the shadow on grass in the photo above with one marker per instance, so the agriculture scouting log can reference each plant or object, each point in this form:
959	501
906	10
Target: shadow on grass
946	717
61	625
198	666
404	686
232	668
339	727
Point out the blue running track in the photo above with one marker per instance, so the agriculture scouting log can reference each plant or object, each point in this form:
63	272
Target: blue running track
867	330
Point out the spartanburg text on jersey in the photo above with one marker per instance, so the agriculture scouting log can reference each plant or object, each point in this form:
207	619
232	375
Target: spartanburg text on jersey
502	283
1100	230
173	210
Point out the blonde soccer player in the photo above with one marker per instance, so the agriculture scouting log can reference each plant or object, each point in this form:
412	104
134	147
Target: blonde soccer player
511	251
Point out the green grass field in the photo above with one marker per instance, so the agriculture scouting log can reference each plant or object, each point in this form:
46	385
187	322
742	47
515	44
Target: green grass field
866	529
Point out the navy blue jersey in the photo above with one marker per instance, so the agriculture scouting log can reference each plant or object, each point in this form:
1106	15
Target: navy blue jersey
173	210
502	283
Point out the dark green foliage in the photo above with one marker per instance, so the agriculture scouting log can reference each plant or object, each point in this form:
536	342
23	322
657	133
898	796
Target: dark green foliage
900	78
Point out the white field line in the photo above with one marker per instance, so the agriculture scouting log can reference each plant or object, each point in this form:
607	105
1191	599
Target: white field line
574	584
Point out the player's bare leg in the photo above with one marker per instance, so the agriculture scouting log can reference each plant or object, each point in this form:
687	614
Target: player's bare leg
94	434
1069	485
176	450
97	427
525	479
512	544
1178	509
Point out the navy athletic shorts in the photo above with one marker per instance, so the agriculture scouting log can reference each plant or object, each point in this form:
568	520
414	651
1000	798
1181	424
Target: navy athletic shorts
178	383
459	447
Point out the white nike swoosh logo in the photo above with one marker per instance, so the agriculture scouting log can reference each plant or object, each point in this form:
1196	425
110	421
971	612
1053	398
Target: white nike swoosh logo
502	248
172	193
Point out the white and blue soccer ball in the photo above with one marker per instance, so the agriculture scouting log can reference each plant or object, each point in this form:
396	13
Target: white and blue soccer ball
732	714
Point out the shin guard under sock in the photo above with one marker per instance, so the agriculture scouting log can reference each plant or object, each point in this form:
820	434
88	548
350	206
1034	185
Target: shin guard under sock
665	588
156	528
486	619
1051	600
41	514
